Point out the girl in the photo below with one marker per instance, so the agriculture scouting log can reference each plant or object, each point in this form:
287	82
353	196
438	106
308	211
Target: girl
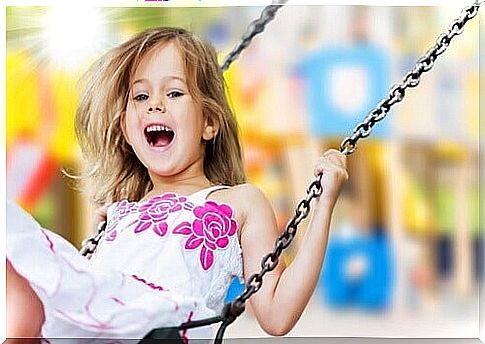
162	149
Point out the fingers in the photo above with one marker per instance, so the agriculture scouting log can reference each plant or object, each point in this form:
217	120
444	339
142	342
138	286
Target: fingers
332	160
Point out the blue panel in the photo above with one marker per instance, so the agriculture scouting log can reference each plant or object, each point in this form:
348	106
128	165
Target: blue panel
372	290
235	289
325	117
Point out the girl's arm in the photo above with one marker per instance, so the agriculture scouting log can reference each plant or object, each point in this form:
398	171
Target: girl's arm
25	311
286	290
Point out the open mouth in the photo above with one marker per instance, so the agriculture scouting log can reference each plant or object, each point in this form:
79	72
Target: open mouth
159	135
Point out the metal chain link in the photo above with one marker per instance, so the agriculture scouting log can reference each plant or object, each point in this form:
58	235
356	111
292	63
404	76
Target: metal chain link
89	245
411	79
270	261
255	27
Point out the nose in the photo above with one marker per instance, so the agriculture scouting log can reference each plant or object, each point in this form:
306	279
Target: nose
155	105
156	109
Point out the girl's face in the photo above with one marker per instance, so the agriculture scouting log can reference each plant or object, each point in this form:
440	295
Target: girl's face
163	124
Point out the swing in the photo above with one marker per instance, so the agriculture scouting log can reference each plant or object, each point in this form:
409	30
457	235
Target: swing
363	129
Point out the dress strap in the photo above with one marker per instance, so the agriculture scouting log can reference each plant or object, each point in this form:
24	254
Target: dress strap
204	193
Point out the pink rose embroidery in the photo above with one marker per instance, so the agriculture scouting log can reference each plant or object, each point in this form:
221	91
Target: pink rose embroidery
211	229
111	235
155	211
123	208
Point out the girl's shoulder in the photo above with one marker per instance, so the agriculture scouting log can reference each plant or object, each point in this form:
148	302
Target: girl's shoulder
243	198
239	195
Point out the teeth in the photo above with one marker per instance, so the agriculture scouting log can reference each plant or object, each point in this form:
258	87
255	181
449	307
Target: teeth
158	128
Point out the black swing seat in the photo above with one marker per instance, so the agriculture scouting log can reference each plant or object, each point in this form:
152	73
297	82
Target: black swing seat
171	335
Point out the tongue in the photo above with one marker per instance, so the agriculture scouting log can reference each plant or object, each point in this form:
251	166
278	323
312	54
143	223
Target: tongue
162	140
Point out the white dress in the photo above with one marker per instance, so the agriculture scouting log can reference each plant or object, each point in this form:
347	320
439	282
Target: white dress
161	262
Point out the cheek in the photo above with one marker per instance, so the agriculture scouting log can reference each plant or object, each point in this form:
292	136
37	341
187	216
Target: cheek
193	129
130	127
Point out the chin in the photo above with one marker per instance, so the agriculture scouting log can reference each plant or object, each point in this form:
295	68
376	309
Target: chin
163	172
171	165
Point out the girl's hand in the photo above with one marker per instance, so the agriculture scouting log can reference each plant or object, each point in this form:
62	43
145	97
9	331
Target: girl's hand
332	164
100	216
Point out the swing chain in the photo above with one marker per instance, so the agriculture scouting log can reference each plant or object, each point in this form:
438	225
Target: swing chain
255	27
410	80
270	261
89	245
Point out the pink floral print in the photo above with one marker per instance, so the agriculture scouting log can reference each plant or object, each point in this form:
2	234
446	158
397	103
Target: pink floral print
51	244
211	229
183	333
155	211
123	208
111	235
151	285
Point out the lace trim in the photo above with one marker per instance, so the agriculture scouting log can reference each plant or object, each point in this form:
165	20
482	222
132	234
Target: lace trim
220	284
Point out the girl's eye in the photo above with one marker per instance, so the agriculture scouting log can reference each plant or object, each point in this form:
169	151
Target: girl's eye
174	94
141	97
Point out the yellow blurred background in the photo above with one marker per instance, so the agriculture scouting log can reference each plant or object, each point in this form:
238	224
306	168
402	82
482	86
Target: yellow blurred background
405	255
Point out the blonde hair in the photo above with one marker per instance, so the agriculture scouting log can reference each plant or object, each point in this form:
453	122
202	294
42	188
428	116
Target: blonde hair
112	171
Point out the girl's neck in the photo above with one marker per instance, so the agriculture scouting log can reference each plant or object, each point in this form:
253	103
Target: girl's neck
185	182
182	186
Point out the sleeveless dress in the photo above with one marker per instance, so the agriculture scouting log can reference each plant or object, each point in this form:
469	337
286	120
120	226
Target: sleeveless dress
161	262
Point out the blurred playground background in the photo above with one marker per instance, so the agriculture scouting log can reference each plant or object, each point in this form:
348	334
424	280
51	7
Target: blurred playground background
405	256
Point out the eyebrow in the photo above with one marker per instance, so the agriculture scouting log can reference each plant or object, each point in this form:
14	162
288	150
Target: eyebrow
170	77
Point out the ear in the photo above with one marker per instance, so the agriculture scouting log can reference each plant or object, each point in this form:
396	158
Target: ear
211	128
123	127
